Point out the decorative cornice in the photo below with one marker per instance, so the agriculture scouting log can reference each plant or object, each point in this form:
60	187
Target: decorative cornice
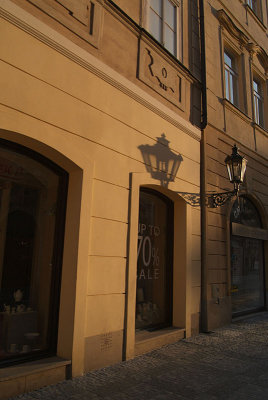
36	28
257	50
228	24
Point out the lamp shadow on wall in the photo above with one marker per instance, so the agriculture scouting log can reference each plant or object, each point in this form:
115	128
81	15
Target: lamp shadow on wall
163	165
160	161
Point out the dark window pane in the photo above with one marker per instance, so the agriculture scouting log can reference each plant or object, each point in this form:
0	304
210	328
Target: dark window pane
154	269
169	37
228	60
29	195
247	269
256	86
247	274
156	6
155	23
244	212
170	14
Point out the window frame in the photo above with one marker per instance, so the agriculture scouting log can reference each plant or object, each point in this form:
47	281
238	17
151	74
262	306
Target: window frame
258	101
232	71
256	7
178	25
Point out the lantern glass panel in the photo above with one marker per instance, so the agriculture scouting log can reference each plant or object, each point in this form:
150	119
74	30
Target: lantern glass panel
243	169
237	172
230	172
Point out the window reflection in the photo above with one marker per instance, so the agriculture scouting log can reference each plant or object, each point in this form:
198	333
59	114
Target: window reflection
244	212
247	274
247	263
28	204
154	269
231	76
162	23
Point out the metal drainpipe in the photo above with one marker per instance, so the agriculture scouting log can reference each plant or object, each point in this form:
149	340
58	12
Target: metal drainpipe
204	314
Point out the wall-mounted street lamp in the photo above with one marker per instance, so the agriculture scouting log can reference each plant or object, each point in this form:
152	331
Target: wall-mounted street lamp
236	168
163	165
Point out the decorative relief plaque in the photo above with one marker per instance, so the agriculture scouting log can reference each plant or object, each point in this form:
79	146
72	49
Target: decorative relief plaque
83	17
157	73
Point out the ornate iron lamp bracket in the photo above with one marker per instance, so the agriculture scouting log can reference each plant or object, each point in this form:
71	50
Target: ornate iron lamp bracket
215	200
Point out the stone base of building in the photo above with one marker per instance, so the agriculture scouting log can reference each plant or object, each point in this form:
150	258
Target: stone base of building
33	375
148	341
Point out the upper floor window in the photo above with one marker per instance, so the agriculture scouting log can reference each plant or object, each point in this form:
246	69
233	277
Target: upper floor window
231	78
258	103
255	6
252	4
162	23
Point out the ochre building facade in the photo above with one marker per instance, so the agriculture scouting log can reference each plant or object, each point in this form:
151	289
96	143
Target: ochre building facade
100	254
234	250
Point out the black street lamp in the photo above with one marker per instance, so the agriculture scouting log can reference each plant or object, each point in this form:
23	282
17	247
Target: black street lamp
236	168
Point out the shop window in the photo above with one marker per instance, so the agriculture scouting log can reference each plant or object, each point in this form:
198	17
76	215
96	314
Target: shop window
32	199
247	261
155	261
231	78
258	102
163	22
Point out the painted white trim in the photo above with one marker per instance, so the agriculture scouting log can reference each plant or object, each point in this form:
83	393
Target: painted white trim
33	26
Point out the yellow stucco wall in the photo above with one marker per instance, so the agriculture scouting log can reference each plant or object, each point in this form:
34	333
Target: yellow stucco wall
66	105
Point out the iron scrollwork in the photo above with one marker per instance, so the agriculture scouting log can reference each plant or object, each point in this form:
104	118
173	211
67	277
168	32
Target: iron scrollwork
213	200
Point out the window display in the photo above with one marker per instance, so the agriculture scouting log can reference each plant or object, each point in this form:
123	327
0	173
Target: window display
29	273
154	269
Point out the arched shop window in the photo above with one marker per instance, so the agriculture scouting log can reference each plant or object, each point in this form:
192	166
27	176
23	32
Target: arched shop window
32	213
247	258
155	261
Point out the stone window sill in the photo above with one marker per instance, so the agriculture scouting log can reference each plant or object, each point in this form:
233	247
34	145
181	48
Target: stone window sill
32	375
31	367
260	129
148	341
236	110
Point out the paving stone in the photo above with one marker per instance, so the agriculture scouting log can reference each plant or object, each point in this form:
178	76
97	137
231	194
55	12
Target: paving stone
228	364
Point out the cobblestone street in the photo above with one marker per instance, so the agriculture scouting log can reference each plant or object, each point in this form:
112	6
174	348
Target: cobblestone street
230	363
